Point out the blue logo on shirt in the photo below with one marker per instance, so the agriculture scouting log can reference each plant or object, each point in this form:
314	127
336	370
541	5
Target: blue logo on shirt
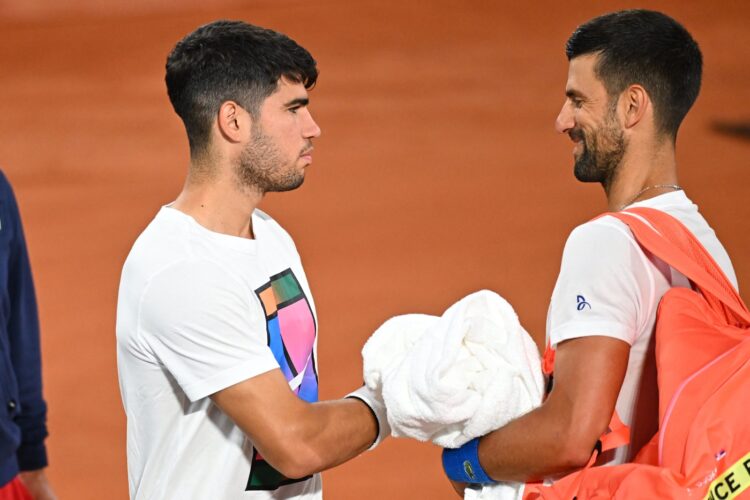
582	303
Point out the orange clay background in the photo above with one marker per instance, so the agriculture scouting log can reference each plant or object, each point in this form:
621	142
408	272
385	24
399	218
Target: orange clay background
438	173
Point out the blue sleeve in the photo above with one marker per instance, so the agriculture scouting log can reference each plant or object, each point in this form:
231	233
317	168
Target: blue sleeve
23	336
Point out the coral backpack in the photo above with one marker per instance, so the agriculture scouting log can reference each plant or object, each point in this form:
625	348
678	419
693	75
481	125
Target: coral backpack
702	448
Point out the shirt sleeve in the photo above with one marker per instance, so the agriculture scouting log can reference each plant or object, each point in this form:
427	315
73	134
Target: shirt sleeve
23	335
205	326
604	286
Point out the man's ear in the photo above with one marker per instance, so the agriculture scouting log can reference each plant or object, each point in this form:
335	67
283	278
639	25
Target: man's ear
636	105
233	121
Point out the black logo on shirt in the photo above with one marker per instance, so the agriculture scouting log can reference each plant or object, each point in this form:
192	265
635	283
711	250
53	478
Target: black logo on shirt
582	304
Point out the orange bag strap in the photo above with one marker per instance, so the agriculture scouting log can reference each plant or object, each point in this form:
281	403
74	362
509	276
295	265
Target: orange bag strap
618	434
672	242
548	360
680	236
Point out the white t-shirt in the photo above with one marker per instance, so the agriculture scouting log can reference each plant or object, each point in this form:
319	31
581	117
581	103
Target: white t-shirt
199	311
611	287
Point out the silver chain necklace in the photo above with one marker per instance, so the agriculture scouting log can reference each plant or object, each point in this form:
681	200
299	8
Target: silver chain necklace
674	187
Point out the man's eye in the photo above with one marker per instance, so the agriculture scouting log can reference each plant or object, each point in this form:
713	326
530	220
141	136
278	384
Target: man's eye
294	109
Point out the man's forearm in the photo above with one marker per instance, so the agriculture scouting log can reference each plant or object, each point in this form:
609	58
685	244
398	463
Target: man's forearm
532	447
296	437
336	431
560	435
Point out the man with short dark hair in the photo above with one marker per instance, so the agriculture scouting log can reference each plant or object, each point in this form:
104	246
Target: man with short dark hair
216	325
633	76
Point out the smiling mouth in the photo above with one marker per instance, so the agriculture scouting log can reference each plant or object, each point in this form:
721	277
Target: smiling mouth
577	137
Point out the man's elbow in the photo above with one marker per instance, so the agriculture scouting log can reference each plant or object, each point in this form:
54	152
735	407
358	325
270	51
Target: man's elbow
297	464
294	456
575	451
574	456
291	468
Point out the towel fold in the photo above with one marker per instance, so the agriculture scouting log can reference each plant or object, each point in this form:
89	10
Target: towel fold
452	378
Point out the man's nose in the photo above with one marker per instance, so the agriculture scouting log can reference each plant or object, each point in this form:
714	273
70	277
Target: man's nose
565	121
310	129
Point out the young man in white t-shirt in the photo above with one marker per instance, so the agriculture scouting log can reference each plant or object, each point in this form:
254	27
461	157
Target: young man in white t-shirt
216	325
633	76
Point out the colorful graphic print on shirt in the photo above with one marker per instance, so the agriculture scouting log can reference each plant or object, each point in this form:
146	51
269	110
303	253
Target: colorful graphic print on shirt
291	330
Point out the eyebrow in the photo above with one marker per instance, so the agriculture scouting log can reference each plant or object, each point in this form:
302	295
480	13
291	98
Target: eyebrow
573	93
299	101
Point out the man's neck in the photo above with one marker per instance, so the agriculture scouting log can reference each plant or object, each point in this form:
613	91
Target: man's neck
644	173
219	204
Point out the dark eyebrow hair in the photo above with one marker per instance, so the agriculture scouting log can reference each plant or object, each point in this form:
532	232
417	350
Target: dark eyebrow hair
573	93
299	101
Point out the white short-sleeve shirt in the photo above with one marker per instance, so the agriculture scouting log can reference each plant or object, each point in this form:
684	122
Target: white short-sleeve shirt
197	312
609	286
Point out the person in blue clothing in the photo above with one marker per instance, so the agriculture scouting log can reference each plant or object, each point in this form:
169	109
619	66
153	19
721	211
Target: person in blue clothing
23	412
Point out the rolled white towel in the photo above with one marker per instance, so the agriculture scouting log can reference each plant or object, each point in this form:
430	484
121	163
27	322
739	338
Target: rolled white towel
452	378
389	344
499	491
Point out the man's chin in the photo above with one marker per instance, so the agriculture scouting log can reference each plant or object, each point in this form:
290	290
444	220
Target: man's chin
583	173
290	185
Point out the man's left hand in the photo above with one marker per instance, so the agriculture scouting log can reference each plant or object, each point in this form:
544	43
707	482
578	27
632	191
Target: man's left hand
37	484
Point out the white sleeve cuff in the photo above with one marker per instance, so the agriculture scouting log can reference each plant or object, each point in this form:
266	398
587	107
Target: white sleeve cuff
577	329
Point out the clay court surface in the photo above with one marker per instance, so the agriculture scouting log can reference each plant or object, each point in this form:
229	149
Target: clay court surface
438	173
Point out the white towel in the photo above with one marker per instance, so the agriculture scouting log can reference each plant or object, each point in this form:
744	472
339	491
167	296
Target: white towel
450	379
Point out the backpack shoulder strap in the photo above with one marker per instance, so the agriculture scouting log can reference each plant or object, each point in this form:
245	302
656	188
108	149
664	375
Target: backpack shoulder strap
668	239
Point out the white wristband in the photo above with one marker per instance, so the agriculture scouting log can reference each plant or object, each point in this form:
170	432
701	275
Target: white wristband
375	402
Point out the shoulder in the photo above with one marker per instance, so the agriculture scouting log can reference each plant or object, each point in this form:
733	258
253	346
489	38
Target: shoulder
166	268
260	214
600	235
161	243
268	222
10	216
193	277
4	183
6	190
269	226
604	278
190	290
602	247
604	227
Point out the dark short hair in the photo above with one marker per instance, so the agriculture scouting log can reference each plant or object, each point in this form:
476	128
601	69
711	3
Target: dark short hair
647	48
230	60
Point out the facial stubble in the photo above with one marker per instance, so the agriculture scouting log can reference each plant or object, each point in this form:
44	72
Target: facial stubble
603	151
261	166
